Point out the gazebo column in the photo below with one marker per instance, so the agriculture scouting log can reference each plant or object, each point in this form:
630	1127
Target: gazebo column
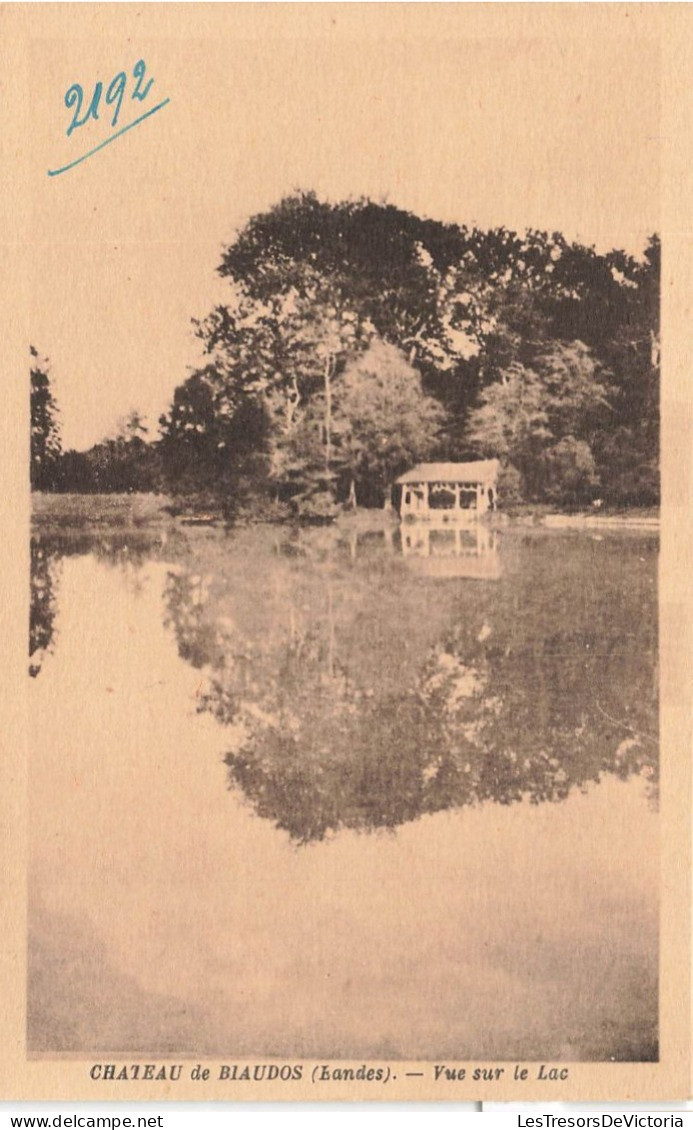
457	489
427	497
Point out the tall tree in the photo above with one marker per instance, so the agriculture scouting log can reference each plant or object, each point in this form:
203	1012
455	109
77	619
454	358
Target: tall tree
212	442
381	422
385	421
570	334
512	423
45	428
628	451
540	420
405	278
312	284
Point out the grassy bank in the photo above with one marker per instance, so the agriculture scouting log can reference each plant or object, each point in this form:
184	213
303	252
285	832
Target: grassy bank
141	512
122	512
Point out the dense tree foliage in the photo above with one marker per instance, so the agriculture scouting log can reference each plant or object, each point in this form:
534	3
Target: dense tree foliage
541	419
124	462
523	346
45	429
209	443
358	338
380	423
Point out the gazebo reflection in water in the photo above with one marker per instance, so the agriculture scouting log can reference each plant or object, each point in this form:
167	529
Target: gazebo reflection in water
441	507
442	550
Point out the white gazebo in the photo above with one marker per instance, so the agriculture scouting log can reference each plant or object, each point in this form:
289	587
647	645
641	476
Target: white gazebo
448	490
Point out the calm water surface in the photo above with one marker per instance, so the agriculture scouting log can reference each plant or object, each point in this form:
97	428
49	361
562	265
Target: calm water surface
345	795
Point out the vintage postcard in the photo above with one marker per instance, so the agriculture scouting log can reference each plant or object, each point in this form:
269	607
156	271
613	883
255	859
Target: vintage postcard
349	522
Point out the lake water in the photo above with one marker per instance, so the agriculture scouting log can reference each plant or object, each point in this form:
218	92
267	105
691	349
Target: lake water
315	793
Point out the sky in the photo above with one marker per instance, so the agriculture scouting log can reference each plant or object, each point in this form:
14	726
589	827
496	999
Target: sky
459	121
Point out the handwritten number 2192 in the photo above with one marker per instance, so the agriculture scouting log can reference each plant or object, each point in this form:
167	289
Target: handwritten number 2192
114	95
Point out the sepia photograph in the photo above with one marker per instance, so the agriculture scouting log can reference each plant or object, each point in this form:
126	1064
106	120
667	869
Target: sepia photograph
345	472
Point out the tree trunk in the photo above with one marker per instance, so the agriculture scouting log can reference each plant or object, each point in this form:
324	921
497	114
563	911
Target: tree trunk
654	350
351	501
331	634
328	412
293	399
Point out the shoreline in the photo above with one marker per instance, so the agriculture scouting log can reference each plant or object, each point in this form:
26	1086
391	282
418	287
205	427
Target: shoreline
140	513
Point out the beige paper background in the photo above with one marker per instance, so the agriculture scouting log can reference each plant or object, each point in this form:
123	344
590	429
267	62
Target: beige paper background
307	67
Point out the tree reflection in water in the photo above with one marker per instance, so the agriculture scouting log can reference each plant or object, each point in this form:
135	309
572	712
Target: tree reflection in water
45	562
127	552
360	694
368	679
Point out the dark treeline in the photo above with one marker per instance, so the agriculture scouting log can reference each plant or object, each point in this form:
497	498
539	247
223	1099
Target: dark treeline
125	462
358	339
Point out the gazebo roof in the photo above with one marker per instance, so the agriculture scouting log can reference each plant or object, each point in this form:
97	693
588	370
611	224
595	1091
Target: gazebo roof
478	471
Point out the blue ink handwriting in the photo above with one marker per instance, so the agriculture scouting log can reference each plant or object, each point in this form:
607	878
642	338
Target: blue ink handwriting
113	98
